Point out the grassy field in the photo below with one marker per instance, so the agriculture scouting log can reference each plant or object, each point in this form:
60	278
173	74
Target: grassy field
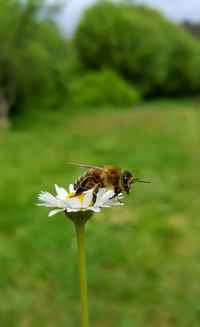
143	259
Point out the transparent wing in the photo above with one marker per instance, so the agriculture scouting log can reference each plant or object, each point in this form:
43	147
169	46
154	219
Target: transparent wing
86	166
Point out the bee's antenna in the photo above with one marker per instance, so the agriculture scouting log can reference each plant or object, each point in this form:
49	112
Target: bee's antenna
137	180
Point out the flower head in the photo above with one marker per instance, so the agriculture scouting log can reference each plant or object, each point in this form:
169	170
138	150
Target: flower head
69	202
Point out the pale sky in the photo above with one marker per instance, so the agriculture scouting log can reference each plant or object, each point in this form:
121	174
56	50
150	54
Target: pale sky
177	10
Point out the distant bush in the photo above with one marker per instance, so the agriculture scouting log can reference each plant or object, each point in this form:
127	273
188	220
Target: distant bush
155	55
98	89
184	63
126	38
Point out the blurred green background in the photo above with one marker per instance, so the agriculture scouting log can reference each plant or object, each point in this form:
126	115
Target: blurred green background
124	90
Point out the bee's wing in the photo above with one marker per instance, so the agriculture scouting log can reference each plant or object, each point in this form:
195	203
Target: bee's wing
86	166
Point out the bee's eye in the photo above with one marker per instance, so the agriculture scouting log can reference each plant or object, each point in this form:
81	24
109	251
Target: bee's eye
125	179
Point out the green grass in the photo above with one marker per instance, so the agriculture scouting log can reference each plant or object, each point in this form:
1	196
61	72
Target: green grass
143	259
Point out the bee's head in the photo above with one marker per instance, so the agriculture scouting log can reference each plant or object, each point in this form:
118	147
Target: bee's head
125	181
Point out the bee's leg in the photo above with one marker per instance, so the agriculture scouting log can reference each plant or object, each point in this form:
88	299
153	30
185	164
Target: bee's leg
82	187
87	181
79	191
116	192
95	192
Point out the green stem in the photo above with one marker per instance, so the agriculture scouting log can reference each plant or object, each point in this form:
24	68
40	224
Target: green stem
80	233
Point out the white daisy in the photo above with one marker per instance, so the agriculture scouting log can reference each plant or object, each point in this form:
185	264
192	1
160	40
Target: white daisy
69	202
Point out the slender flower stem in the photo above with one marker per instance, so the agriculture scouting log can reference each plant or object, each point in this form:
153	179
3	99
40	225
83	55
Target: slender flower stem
80	233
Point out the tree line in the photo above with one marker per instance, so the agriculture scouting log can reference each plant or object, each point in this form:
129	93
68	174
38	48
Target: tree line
153	54
119	54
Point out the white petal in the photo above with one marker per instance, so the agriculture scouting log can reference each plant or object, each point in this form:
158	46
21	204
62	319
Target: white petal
74	203
100	194
105	206
116	203
45	205
53	212
62	193
48	199
107	195
57	188
72	210
95	209
87	199
71	188
108	198
65	203
114	200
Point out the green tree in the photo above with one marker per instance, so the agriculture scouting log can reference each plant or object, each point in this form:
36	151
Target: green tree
126	38
184	63
34	56
153	54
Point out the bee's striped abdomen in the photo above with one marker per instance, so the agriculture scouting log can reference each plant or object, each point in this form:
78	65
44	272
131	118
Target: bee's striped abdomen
79	180
87	181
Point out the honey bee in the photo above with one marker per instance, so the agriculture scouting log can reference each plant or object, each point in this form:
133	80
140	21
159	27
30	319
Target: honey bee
111	177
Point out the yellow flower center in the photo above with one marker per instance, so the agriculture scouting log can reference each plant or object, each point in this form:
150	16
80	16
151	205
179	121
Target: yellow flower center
80	197
72	195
